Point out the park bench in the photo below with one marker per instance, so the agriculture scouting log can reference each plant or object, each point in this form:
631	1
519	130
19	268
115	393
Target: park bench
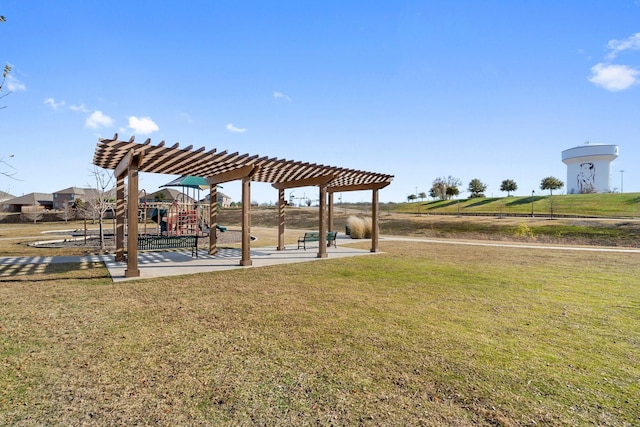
160	243
314	236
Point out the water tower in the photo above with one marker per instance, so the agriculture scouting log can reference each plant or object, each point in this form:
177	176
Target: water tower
589	168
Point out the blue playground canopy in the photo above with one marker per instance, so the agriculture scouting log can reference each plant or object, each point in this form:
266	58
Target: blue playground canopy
188	181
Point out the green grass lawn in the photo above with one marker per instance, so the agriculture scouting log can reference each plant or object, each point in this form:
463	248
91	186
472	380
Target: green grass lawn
589	205
423	334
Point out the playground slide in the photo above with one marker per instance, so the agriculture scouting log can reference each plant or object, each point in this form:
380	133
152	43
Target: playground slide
157	215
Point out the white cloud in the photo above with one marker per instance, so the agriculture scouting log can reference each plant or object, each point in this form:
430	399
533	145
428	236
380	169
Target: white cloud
142	125
186	117
280	95
53	104
232	128
612	77
617	46
98	119
14	85
81	108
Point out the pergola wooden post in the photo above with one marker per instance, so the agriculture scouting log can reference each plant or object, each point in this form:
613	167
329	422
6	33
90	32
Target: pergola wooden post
330	213
213	219
246	221
375	187
322	225
281	205
245	173
374	221
132	223
120	218
128	166
321	182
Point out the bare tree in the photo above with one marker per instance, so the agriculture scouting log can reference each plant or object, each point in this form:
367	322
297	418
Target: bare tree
7	69
102	200
445	188
32	213
5	72
6	169
67	212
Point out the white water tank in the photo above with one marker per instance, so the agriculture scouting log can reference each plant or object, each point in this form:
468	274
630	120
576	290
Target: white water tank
589	168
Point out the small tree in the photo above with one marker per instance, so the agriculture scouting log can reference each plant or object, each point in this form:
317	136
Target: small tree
551	183
445	188
508	185
434	192
80	208
452	192
67	212
422	195
32	213
411	198
101	202
476	188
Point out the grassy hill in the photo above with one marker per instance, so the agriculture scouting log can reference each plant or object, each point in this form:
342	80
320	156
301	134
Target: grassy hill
626	205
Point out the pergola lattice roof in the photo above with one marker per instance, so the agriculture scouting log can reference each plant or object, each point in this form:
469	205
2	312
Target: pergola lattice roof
211	164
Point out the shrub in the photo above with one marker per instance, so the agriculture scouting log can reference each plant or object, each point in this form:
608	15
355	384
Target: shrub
368	226
524	231
360	228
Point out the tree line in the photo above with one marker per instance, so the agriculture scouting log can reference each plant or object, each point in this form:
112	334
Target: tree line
447	187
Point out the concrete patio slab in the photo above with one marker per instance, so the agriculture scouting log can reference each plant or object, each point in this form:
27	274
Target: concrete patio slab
172	263
161	264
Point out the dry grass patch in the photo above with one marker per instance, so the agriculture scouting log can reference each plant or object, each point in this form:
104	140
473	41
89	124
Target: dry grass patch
420	335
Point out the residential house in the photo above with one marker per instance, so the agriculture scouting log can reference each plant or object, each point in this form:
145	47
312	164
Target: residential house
29	202
223	200
68	197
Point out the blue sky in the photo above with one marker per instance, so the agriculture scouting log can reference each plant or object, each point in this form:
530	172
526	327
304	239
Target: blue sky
491	90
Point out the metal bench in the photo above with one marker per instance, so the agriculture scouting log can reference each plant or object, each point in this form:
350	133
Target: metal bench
160	243
314	236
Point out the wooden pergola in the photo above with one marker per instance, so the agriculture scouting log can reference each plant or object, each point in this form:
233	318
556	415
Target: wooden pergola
128	158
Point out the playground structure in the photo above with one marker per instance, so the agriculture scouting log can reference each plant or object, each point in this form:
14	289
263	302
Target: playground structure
176	218
186	215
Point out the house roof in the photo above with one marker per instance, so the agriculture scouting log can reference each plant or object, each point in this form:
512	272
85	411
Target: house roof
173	194
217	167
71	190
31	199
